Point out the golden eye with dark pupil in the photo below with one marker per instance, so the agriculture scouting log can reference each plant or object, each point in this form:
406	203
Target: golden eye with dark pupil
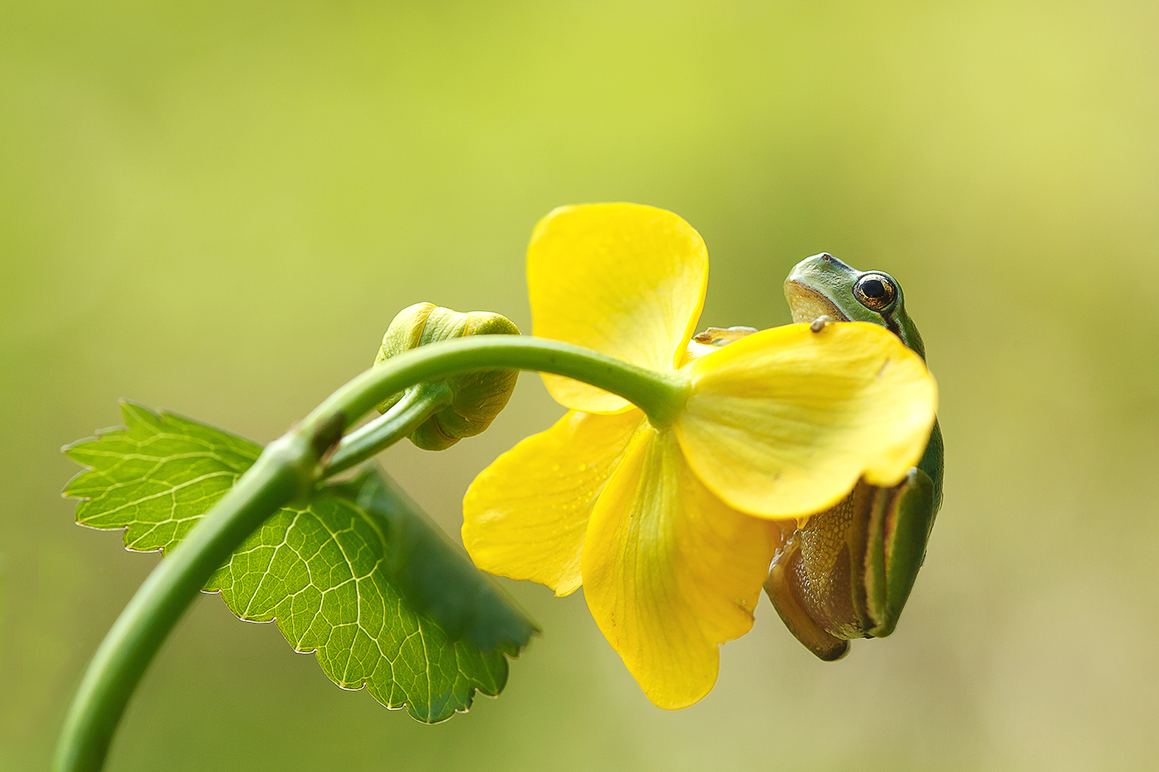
875	292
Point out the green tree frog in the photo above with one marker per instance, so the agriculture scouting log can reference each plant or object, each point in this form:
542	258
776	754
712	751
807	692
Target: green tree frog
847	572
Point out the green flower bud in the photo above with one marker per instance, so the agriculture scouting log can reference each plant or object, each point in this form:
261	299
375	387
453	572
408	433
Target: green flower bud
476	397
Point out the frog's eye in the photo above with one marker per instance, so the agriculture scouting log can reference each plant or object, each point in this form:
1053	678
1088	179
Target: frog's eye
875	291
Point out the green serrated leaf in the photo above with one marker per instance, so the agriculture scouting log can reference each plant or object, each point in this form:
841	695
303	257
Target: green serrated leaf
321	569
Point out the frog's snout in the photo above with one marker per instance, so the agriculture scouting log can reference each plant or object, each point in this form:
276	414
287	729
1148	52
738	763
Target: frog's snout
828	258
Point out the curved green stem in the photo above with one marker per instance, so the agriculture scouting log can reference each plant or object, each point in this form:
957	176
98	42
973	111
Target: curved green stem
282	472
416	406
659	394
288	468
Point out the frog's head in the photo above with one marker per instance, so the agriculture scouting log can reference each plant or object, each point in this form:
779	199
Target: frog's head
823	285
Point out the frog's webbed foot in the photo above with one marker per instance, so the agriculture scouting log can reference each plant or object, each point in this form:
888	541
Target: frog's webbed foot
821	322
719	336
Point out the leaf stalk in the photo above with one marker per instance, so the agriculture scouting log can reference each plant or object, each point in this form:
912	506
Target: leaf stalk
365	442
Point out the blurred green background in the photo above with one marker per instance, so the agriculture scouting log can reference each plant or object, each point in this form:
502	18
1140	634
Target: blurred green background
217	208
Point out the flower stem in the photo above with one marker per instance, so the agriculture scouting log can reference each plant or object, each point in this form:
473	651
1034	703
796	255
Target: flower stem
659	394
282	472
287	469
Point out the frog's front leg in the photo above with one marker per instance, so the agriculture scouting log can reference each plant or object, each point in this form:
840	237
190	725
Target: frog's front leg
821	322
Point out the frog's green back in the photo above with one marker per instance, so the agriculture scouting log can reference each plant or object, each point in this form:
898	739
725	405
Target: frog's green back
933	463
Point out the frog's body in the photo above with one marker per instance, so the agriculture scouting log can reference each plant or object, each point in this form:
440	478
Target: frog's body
847	572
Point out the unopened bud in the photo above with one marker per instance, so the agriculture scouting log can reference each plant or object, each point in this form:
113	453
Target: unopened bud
476	397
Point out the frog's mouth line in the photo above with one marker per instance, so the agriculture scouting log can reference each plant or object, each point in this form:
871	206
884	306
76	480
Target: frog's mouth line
807	303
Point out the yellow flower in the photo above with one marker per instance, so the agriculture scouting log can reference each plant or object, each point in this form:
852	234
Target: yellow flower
668	528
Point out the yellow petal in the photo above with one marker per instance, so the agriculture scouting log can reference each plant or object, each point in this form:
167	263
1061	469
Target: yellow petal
670	571
524	516
783	423
624	279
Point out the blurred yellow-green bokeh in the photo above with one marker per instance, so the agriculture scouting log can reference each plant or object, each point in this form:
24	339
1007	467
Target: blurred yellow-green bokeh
217	208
